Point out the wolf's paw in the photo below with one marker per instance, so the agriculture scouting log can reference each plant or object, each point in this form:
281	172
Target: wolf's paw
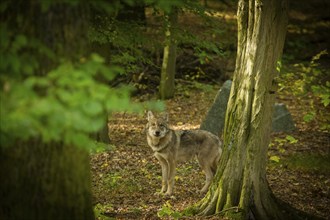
169	196
164	195
158	193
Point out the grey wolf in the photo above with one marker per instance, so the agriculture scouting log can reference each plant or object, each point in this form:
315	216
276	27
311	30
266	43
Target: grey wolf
173	146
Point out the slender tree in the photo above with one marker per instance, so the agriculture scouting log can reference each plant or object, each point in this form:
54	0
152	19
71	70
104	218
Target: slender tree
240	186
167	86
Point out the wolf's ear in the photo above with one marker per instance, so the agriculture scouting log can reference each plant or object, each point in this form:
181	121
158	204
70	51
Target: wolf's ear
150	115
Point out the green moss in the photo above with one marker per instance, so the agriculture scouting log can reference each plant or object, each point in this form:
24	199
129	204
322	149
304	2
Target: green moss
234	214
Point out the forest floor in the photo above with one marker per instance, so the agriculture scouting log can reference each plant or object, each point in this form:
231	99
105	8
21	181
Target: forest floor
125	177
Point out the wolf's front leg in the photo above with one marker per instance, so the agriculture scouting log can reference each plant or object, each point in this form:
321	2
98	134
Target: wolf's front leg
164	178
171	177
163	164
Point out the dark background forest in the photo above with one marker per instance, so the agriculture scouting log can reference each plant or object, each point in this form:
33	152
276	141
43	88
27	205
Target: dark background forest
79	75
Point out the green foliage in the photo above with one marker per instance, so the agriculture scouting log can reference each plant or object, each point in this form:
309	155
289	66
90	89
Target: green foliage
309	81
127	41
204	44
65	105
279	143
112	180
309	116
67	100
18	61
99	147
275	159
100	209
205	49
291	140
323	92
121	182
185	87
165	5
282	141
167	211
303	77
138	47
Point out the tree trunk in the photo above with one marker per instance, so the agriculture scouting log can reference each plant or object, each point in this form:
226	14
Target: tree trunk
167	86
44	181
240	187
103	134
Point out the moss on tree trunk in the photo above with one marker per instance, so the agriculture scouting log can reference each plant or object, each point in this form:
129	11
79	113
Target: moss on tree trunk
45	181
167	86
240	189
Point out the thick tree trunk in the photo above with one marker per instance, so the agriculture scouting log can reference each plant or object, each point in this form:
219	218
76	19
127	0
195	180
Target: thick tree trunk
240	187
44	181
167	86
39	180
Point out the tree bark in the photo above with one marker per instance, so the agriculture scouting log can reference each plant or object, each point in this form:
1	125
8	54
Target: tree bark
45	181
240	186
167	86
103	134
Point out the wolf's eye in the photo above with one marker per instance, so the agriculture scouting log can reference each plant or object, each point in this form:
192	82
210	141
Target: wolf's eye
162	125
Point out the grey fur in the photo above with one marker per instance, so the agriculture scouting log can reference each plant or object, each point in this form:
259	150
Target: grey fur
173	146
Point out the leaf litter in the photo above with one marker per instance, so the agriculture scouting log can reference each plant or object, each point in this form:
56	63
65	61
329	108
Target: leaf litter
124	180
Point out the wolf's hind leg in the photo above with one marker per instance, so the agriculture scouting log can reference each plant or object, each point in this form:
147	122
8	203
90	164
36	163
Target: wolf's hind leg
208	174
208	179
